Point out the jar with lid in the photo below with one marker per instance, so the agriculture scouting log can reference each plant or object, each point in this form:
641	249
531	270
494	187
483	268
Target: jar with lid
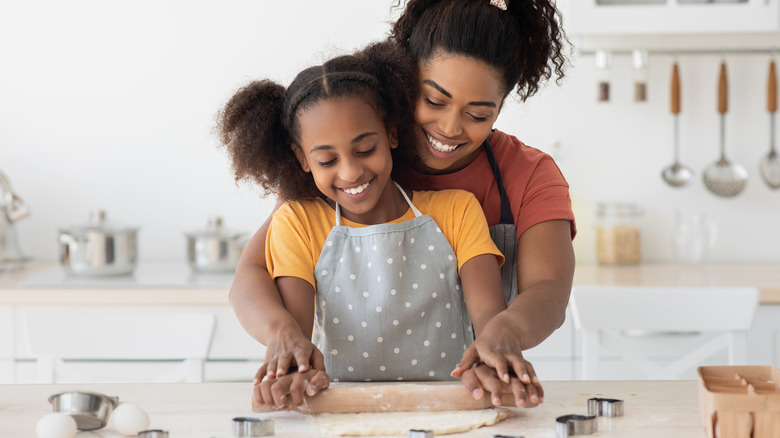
618	240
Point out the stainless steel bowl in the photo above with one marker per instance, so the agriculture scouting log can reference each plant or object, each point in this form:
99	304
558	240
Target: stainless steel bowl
152	433
90	409
215	249
98	248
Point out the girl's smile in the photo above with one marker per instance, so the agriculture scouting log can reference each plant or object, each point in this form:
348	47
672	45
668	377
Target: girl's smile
461	99
345	146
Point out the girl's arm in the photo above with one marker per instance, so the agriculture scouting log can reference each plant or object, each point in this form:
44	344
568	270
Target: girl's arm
482	290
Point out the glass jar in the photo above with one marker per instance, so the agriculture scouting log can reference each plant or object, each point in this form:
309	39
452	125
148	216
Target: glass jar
618	239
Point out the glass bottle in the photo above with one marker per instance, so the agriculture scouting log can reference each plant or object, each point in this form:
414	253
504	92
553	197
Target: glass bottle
618	240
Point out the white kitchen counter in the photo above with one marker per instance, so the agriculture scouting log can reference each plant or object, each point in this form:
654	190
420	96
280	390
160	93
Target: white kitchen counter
654	409
171	283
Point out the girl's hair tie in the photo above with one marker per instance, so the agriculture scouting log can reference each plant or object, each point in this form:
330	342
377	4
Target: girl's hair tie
500	4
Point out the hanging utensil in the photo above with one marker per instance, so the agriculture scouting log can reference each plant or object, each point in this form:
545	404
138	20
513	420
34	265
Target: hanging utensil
770	164
724	178
676	175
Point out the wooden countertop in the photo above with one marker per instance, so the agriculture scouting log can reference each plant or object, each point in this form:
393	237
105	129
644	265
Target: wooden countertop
654	409
764	276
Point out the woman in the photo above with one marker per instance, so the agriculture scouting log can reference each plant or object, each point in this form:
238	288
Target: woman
472	55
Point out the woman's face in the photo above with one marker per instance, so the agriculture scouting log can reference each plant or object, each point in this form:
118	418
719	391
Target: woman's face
345	146
461	99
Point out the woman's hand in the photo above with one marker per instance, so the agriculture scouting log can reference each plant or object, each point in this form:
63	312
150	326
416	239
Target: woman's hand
289	349
501	367
287	392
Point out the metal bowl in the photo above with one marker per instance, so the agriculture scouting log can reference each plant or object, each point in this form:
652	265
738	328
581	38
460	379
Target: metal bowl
90	409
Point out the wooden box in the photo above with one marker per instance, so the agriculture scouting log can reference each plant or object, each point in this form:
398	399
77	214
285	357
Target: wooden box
740	401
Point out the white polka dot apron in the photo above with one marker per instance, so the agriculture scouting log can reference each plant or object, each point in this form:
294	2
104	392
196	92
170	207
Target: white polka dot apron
389	302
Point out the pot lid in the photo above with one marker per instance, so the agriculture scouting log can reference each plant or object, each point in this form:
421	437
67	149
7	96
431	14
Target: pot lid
216	228
99	222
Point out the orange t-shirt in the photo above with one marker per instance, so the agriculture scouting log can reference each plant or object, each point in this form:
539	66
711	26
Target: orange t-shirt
536	188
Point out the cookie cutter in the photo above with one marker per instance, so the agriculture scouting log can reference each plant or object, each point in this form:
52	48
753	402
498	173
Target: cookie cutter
574	424
418	433
605	407
252	426
152	433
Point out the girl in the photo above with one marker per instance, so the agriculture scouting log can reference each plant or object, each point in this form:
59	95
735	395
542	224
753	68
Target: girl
385	264
472	54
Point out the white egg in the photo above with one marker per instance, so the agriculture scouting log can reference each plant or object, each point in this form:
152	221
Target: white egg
56	425
129	419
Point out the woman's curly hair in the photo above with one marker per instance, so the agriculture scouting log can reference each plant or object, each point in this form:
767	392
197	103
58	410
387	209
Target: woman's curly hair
525	43
259	125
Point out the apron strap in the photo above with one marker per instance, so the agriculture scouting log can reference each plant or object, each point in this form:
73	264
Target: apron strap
506	212
408	201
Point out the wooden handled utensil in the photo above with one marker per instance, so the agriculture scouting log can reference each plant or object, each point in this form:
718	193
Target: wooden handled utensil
393	397
770	164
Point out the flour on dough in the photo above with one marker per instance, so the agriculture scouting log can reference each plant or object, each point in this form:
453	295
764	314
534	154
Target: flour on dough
399	423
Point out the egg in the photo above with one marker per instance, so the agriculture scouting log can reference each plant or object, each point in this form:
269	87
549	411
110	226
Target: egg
56	425
129	419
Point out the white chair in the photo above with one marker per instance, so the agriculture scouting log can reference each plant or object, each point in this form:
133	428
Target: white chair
57	339
610	319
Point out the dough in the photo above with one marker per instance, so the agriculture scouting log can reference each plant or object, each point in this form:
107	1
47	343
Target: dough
399	423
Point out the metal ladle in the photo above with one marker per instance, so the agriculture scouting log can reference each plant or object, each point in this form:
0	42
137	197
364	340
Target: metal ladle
677	174
770	164
724	178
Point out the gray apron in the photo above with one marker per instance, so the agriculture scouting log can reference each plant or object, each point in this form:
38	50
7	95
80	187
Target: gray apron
389	304
504	234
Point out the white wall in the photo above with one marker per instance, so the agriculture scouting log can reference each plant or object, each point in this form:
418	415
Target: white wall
111	104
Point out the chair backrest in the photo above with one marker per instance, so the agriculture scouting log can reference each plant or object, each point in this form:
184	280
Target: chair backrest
604	314
54	337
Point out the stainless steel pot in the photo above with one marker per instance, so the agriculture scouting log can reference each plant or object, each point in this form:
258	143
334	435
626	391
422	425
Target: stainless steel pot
98	248
90	409
215	249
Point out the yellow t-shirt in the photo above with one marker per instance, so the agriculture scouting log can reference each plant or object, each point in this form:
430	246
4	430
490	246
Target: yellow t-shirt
299	229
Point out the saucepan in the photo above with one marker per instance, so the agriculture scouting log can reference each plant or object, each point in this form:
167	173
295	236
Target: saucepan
216	248
99	248
90	409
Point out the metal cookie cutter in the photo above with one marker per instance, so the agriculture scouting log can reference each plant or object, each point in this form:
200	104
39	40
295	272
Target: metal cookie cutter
416	433
252	426
152	433
574	424
605	407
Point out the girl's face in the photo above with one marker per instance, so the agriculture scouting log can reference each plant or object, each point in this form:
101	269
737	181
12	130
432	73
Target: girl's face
345	146
461	99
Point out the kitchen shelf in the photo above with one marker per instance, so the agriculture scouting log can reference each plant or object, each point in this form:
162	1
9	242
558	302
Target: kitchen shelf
653	17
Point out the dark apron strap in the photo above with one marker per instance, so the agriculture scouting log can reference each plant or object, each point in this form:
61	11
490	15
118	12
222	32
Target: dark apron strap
506	212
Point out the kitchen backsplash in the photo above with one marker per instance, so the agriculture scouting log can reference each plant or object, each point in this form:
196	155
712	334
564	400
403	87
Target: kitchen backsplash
111	106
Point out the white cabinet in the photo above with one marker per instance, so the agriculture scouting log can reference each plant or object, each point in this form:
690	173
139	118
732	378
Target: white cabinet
233	356
654	17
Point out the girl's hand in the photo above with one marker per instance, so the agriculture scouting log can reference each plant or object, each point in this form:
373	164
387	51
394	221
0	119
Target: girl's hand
287	392
483	378
289	350
499	349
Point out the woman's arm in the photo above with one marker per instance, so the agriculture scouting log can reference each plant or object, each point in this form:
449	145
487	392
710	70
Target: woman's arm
261	311
545	272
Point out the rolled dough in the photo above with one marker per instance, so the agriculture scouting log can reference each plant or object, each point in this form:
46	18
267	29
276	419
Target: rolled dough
399	423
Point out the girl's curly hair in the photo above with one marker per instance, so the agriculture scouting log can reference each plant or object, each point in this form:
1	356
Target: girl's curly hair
525	43
259	125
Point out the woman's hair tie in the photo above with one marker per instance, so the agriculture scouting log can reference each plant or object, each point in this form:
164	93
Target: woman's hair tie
500	4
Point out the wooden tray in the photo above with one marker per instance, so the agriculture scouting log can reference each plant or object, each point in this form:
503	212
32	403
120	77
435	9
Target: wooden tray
740	401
